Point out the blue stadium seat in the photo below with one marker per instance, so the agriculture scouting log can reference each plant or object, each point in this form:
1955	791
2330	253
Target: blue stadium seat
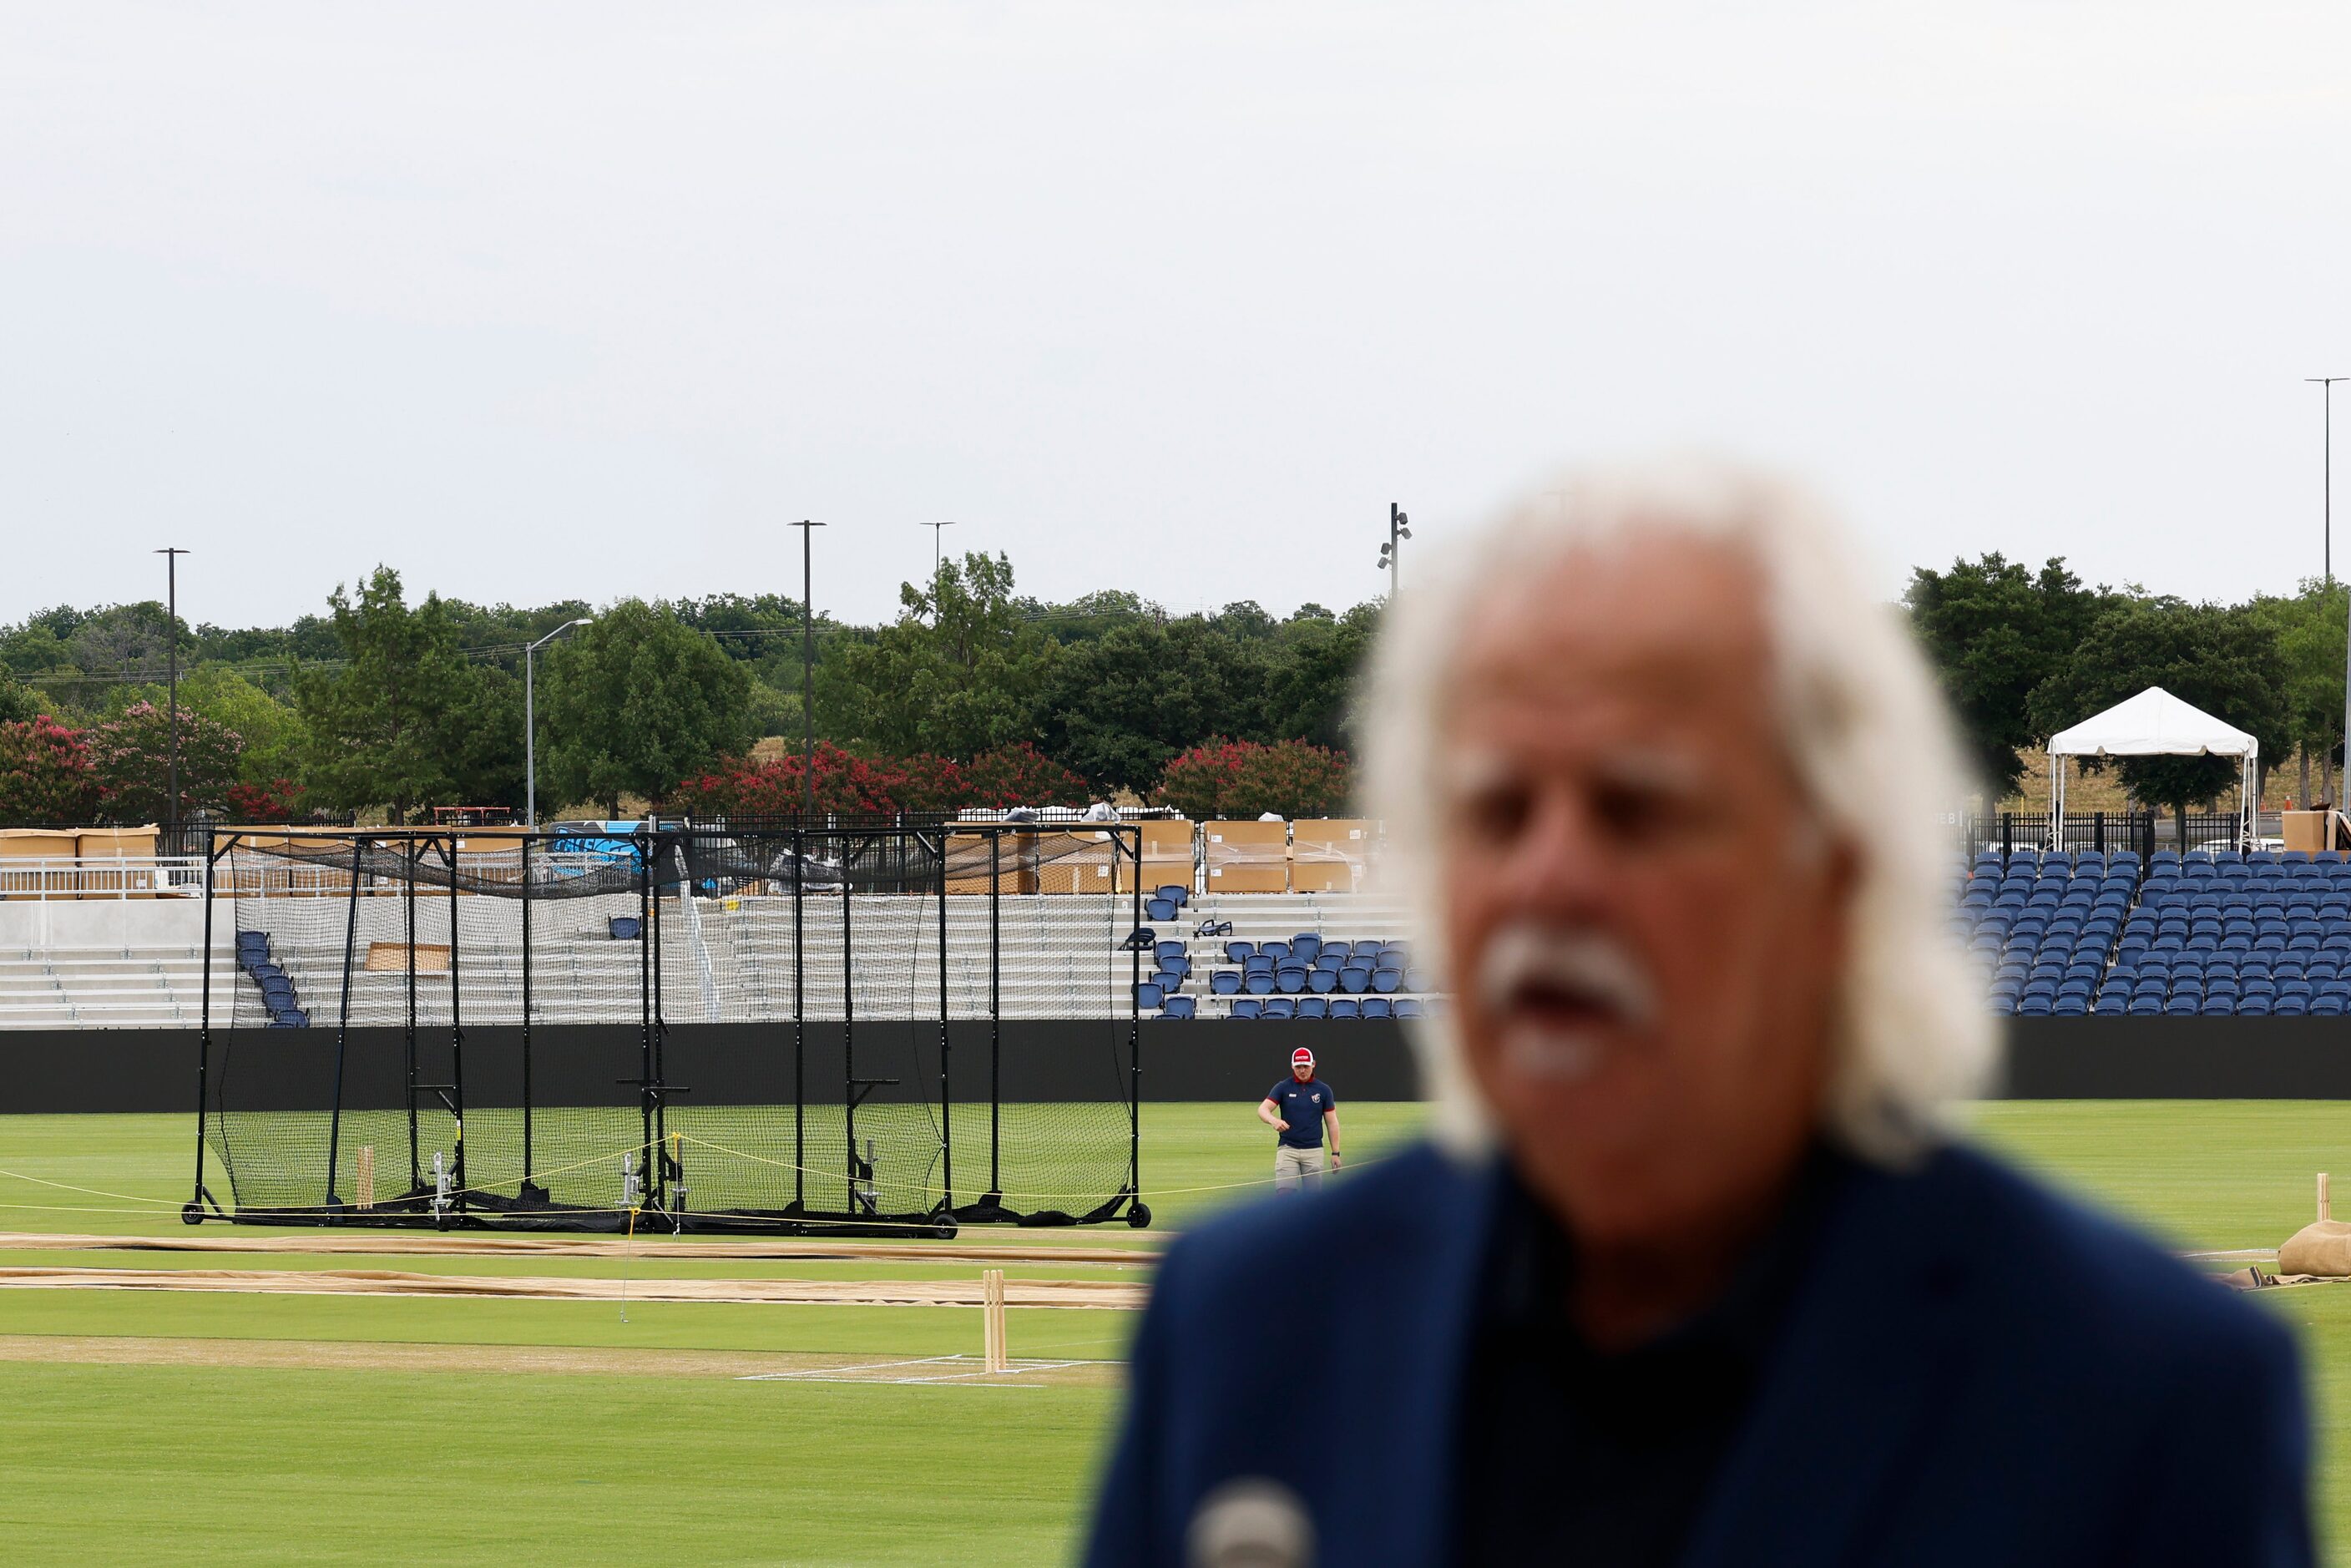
1257	982
1240	952
1169	949
1147	994
1346	1008
1378	1007
1291	979
1314	1008
1280	1008
1355	979
1277	951
1179	1008
624	928
1247	1007
1406	1007
1158	909
1305	945
1322	982
1225	983
1387	981
1175	893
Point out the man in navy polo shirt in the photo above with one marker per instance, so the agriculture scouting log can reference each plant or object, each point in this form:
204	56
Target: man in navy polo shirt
1296	1108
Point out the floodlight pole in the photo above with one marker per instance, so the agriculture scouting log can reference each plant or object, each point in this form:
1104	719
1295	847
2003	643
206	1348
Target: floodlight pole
530	720
808	668
937	559
1399	530
171	555
2326	494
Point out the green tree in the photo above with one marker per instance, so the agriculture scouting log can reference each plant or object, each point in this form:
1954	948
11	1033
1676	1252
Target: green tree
2223	661
1118	706
635	704
1995	631
1317	668
960	672
2310	631
18	701
389	727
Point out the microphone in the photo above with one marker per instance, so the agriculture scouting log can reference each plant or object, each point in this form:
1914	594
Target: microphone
1250	1522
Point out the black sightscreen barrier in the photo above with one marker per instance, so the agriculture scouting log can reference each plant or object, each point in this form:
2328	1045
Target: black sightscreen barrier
481	1027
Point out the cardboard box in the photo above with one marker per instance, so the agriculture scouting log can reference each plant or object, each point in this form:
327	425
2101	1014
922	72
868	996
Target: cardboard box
2304	830
21	846
969	864
95	846
1249	878
1246	857
1329	854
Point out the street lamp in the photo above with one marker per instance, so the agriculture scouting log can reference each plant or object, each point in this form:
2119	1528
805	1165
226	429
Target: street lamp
1399	530
530	721
2326	494
171	555
936	558
808	670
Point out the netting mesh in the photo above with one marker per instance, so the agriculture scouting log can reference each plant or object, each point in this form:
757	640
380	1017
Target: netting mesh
804	1027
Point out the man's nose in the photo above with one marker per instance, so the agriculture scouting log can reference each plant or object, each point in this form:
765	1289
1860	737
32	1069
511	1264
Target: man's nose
1560	865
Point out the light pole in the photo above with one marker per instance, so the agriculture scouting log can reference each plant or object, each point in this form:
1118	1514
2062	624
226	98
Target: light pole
171	555
2326	385
808	670
1399	530
530	720
937	559
2326	494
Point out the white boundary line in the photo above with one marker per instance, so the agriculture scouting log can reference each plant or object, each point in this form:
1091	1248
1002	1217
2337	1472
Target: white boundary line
817	1374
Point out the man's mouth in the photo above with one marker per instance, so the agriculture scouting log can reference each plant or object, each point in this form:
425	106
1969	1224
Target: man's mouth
1559	996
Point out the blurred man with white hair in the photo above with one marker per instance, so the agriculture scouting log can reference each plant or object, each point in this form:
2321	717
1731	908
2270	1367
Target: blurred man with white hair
1692	1272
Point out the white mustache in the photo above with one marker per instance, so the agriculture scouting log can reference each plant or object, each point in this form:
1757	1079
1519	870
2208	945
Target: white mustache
1596	969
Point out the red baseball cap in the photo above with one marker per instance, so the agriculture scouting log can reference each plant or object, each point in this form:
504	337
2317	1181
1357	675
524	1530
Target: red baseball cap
1302	1055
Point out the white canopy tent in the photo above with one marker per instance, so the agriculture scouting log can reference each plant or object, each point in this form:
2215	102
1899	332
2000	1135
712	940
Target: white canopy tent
2156	724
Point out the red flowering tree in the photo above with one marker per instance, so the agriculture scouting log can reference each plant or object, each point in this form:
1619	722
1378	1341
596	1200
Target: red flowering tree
1236	780
1010	776
44	774
270	802
1019	775
131	757
740	788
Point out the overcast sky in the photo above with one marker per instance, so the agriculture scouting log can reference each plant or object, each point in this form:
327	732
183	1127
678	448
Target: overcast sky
536	301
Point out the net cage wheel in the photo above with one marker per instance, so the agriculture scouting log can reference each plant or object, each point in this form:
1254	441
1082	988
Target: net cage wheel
1139	1215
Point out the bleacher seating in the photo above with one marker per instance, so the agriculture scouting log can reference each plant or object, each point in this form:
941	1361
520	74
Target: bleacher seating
2214	933
1302	956
729	961
158	986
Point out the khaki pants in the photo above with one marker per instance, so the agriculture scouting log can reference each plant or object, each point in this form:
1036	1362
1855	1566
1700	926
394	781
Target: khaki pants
1294	1166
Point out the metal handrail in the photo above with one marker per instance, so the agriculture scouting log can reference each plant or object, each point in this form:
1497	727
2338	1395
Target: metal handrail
87	877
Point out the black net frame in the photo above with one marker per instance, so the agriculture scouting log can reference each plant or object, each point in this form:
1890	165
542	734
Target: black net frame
679	1027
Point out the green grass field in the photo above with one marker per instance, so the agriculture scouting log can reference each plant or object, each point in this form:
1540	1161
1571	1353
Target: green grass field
209	1459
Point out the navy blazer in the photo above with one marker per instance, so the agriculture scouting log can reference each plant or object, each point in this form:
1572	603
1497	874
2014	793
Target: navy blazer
1972	1371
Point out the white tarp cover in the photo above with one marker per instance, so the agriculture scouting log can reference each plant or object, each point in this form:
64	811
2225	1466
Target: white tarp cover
2153	723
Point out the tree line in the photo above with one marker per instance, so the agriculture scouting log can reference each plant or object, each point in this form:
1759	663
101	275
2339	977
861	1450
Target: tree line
388	706
975	693
2024	652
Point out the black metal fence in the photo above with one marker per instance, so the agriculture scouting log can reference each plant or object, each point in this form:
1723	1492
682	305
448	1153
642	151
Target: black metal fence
2138	833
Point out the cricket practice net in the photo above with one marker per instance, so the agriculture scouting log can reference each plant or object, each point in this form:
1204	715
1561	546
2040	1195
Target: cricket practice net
679	1027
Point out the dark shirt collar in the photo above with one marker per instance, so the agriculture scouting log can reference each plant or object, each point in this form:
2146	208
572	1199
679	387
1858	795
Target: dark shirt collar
1531	1267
